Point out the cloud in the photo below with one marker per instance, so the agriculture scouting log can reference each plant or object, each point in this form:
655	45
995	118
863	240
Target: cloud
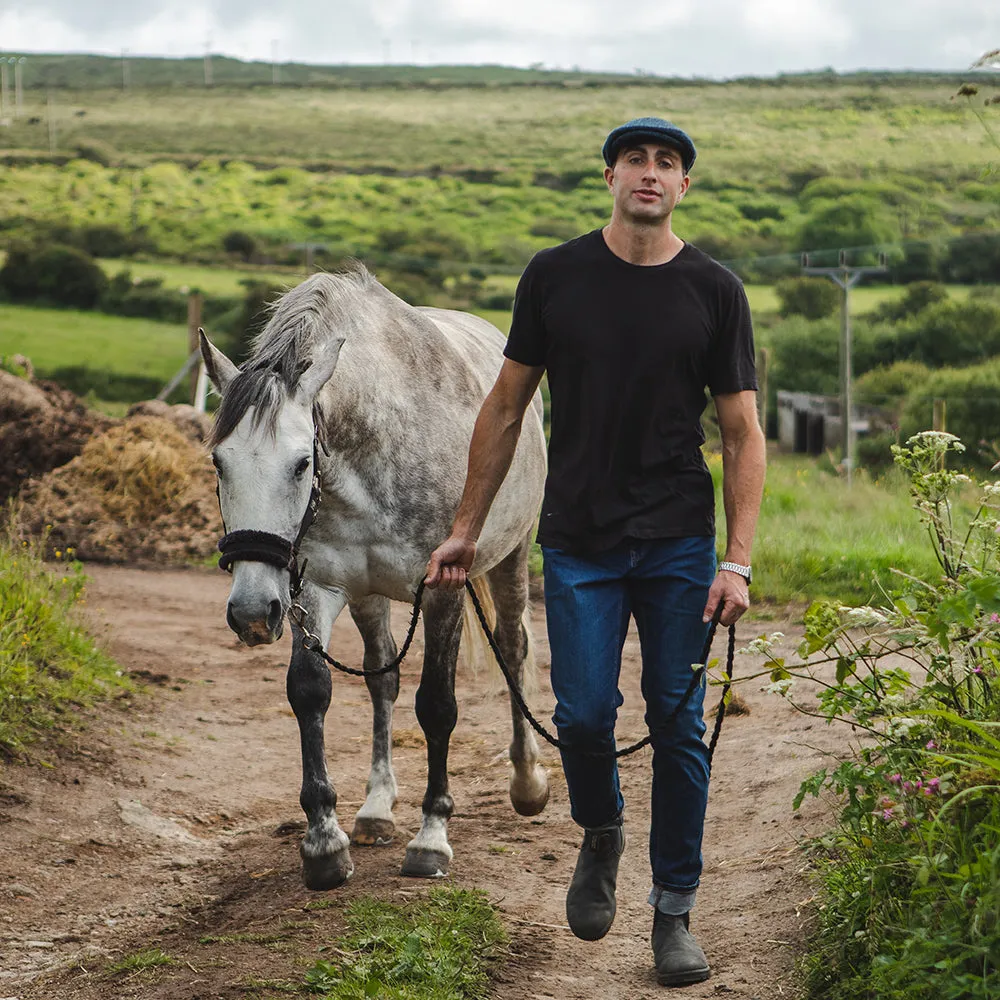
717	38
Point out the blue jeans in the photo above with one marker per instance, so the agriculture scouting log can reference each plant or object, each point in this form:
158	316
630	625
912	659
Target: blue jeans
663	584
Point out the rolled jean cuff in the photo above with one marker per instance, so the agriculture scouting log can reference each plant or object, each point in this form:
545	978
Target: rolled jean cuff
673	904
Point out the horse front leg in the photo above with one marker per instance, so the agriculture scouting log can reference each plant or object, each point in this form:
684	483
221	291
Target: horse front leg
326	857
374	823
429	854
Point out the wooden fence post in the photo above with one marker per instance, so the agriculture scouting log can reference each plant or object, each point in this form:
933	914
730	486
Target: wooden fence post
194	321
940	420
762	360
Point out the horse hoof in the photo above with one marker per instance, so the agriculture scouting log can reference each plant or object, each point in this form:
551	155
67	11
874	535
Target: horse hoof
529	797
422	862
326	871
370	832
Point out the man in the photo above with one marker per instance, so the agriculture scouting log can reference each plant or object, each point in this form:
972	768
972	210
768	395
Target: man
632	324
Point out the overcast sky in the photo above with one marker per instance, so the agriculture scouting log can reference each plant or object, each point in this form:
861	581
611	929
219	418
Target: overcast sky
716	38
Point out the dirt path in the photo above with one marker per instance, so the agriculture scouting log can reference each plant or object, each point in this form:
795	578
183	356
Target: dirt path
179	818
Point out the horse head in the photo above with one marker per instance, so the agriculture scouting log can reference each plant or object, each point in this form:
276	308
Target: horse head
264	448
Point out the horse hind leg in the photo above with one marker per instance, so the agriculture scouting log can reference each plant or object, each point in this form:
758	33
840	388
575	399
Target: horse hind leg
326	857
529	783
429	854
374	823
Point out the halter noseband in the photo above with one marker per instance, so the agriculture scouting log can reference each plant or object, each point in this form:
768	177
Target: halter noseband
248	545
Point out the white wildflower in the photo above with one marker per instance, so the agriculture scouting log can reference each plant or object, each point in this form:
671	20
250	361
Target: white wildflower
781	687
901	727
865	617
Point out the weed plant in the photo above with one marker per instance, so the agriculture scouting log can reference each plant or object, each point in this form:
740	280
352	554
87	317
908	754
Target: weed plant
909	900
437	949
49	665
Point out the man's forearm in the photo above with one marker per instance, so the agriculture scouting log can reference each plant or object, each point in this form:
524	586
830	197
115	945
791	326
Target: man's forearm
743	465
494	441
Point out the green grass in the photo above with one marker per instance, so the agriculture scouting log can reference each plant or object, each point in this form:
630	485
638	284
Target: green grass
436	949
49	665
816	538
149	958
58	338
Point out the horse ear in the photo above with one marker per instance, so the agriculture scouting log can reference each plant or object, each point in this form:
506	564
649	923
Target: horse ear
318	373
220	369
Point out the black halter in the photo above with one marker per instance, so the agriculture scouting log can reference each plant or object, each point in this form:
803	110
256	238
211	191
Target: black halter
248	545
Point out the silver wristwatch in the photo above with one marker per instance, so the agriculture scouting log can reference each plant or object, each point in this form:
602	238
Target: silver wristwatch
743	571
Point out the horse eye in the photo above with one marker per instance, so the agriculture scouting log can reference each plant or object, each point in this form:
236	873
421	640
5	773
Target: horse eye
302	466
217	464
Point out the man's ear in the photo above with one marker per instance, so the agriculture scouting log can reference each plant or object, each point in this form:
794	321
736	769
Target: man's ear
221	371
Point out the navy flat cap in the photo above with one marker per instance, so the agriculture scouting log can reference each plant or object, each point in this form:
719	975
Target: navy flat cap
640	130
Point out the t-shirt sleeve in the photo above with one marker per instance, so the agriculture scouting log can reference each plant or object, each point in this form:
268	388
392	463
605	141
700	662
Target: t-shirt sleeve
527	342
732	366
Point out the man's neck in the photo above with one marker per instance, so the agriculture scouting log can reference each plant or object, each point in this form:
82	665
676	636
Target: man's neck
642	245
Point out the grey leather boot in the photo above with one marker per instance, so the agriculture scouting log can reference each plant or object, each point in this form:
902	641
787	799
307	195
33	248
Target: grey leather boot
590	901
679	958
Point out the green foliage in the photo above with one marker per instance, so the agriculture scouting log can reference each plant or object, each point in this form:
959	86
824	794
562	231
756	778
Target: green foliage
148	958
973	405
52	273
910	879
889	385
814	298
854	220
437	949
238	242
918	296
946	333
48	664
974	261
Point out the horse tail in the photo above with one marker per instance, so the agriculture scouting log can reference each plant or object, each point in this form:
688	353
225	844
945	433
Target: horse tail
475	650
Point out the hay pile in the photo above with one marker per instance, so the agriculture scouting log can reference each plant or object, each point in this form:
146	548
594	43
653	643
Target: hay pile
42	426
141	492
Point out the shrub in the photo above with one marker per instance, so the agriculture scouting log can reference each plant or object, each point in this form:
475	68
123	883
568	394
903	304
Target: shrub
814	298
918	296
850	221
96	152
104	241
946	333
973	405
240	243
889	385
58	274
973	259
252	316
920	262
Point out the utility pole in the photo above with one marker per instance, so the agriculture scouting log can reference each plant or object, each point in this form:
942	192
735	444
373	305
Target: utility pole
310	249
18	86
846	278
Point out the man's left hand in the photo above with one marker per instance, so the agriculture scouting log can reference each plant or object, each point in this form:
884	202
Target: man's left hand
730	592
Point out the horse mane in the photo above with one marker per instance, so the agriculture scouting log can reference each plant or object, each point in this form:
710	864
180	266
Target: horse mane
307	315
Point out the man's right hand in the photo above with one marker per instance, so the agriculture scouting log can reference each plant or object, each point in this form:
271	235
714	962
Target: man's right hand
450	563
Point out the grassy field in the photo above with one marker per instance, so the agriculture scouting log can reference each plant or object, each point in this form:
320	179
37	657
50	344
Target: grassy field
58	338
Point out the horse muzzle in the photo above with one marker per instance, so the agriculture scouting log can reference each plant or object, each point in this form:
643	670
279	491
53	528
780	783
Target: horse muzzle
254	624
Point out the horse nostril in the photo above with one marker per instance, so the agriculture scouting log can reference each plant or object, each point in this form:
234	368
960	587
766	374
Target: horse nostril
231	620
274	615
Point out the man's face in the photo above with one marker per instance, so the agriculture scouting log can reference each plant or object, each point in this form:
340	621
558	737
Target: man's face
647	181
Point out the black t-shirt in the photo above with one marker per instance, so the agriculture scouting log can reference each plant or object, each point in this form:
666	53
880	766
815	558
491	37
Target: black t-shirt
629	351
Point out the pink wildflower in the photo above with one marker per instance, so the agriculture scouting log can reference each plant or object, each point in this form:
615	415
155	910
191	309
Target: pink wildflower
977	669
887	815
995	618
931	745
895	778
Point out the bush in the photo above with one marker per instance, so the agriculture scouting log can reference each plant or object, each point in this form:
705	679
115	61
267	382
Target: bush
972	396
973	259
104	241
945	333
918	297
889	385
920	262
252	317
96	152
814	298
240	243
58	274
851	221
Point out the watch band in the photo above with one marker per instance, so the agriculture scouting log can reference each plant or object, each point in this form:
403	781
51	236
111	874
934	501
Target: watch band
743	571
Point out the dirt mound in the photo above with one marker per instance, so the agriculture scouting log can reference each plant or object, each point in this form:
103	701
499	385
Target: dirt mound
143	492
42	426
183	416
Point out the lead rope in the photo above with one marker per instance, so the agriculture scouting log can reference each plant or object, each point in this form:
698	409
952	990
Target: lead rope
314	644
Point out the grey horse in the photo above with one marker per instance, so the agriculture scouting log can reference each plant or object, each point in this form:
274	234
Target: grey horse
384	396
